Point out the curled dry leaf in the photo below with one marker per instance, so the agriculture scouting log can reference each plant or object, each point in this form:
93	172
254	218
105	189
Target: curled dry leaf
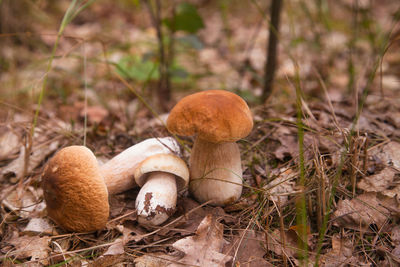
365	209
205	247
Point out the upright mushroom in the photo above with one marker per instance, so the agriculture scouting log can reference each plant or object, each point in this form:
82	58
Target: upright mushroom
218	118
76	188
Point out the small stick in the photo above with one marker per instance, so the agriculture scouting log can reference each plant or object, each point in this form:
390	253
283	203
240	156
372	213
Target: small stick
365	157
282	228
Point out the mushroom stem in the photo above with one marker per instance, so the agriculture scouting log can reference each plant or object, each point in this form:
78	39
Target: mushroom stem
156	200
215	172
118	172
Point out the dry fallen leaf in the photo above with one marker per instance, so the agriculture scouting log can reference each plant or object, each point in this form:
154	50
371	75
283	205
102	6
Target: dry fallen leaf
9	143
117	248
154	260
281	187
33	247
288	140
23	201
290	247
247	249
389	154
385	182
341	253
194	214
365	209
39	153
39	226
205	247
395	236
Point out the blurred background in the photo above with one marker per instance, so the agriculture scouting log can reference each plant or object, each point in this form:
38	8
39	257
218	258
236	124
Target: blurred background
164	50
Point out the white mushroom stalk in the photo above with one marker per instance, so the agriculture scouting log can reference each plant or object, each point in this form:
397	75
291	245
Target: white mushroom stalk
118	172
215	172
161	176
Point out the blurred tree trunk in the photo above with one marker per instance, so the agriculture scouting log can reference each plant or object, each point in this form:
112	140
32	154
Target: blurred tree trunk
270	64
164	84
16	17
10	22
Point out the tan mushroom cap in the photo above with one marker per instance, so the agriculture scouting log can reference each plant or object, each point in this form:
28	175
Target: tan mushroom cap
215	115
163	163
74	190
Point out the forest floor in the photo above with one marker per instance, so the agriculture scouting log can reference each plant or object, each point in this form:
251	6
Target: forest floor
341	64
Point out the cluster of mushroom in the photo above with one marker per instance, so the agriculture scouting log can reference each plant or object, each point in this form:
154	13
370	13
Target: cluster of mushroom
76	188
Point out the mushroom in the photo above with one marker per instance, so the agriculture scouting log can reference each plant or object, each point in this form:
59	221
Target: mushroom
160	177
118	172
218	118
76	188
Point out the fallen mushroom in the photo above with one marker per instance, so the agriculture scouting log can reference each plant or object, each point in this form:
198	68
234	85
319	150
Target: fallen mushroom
76	188
218	119
161	176
118	172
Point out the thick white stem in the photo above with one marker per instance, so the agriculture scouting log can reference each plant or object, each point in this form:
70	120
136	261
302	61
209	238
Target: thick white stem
156	200
118	172
215	172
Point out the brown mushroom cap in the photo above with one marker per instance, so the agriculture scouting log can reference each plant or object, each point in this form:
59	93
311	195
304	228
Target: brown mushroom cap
163	163
214	115
74	190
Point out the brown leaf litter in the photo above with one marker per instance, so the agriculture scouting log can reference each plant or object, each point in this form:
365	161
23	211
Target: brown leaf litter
362	211
205	247
387	180
247	249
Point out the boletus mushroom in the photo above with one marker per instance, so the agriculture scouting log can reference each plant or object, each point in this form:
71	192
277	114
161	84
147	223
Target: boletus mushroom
161	176
76	188
218	118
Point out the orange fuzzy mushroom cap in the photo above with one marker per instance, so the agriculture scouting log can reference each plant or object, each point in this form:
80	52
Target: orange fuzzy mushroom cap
74	190
216	116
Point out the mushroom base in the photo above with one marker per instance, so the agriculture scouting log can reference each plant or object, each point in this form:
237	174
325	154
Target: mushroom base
215	172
